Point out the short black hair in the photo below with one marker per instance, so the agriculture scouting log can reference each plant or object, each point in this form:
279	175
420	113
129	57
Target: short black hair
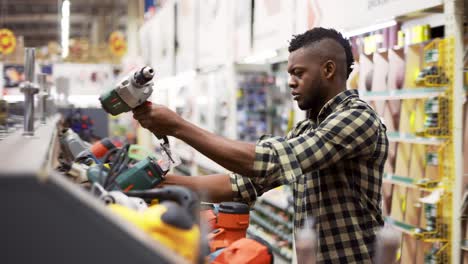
319	33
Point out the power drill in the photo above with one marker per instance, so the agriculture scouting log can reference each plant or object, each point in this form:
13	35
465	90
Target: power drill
144	175
75	149
130	93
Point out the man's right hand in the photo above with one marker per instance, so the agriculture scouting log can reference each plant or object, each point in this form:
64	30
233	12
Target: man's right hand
157	118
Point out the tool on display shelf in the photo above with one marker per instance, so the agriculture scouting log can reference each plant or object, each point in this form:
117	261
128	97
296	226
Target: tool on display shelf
75	149
245	250
117	197
121	174
81	124
171	221
227	238
183	196
131	92
116	170
232	221
101	147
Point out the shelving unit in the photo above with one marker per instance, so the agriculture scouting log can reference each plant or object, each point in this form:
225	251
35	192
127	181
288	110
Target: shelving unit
271	219
411	140
403	94
421	184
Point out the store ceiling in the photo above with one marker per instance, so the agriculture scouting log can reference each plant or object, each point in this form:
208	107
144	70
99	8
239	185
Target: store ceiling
38	21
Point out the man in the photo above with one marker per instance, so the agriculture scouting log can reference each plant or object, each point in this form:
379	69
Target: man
333	160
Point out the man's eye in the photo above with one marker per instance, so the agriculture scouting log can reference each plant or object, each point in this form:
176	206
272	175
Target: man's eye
298	73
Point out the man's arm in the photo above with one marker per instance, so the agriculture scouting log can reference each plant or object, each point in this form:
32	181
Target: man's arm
343	135
214	188
236	156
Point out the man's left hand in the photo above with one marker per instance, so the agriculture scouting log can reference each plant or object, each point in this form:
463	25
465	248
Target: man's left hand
157	118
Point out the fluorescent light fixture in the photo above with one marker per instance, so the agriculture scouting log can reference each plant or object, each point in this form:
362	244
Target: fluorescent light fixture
261	57
65	27
371	28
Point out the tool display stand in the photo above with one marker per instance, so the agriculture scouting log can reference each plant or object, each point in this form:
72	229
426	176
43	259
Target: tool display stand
48	219
271	220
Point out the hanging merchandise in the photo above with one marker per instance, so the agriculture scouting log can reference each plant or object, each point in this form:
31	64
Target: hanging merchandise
432	74
411	81
7	41
252	105
117	43
80	124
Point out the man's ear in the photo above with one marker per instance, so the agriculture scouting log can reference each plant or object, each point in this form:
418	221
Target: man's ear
329	69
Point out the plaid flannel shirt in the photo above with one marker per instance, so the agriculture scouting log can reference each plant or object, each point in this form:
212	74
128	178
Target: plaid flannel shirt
334	167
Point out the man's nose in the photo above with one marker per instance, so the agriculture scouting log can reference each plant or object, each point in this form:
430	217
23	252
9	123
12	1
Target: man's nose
292	82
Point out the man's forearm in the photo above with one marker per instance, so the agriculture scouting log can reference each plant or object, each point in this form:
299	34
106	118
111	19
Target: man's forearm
211	188
233	155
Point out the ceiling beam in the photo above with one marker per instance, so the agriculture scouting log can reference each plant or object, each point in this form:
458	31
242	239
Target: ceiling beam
46	18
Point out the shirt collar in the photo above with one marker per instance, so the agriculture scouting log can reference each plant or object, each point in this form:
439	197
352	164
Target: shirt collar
333	104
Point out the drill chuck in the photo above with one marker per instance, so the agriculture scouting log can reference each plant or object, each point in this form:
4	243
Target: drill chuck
143	76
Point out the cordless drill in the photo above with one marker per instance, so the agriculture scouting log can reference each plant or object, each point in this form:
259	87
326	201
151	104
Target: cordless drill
129	93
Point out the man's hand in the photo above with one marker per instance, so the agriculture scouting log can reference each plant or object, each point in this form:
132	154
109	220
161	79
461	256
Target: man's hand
157	118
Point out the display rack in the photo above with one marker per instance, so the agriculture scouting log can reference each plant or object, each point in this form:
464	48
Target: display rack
427	190
271	219
420	93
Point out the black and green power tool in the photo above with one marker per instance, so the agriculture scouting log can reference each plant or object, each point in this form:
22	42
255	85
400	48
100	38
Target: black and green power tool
143	175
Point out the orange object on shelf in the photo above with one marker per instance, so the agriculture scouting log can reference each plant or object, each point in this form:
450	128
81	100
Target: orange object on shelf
231	225
247	251
100	148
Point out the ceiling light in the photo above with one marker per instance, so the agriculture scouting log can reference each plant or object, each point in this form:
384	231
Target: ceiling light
371	28
65	27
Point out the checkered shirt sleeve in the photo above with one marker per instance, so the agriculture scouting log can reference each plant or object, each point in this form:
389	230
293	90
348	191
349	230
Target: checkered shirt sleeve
342	135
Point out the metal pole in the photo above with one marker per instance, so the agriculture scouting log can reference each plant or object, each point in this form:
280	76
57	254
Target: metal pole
29	61
29	89
42	80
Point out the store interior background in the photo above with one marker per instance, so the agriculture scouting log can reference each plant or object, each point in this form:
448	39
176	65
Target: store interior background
222	65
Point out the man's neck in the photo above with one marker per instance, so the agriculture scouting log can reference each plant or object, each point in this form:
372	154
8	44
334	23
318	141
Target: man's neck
313	113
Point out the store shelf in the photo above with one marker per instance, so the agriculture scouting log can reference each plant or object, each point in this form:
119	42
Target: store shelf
277	197
270	227
414	93
403	227
273	216
414	231
412	139
409	182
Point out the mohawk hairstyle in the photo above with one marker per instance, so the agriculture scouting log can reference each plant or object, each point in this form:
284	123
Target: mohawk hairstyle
319	33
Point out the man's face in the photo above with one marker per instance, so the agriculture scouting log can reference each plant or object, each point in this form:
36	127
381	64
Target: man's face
305	78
